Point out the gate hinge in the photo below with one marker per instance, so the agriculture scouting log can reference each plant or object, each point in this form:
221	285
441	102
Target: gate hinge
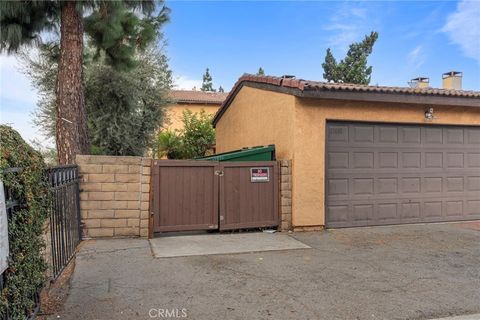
219	173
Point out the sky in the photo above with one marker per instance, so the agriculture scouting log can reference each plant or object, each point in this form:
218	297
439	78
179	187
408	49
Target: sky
290	37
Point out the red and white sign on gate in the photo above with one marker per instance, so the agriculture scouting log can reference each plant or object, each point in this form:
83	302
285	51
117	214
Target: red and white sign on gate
260	174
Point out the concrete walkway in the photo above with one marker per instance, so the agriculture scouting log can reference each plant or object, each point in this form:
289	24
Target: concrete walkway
207	244
408	272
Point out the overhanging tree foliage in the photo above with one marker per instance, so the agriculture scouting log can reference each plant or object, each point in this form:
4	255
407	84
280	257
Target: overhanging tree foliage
116	28
353	68
124	107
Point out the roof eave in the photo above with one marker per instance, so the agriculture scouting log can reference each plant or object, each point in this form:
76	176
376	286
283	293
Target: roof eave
217	103
406	98
392	97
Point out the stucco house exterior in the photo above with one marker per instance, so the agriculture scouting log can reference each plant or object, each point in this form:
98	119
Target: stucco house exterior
193	100
362	155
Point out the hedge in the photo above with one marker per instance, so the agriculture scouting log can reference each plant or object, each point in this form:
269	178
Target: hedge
25	275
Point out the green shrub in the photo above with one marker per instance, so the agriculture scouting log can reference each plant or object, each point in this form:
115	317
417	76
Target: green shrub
195	140
168	144
25	275
198	134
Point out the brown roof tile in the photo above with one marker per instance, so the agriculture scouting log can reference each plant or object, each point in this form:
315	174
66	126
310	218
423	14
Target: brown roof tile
315	85
191	96
308	85
317	89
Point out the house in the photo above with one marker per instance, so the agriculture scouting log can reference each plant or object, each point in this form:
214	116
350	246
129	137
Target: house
194	101
363	155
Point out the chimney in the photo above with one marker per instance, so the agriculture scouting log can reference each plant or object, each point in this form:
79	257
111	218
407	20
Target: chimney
419	82
452	80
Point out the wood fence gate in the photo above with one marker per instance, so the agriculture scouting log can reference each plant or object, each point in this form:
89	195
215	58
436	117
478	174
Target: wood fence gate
209	195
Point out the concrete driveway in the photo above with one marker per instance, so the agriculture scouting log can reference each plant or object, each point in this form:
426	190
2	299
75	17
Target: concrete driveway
404	272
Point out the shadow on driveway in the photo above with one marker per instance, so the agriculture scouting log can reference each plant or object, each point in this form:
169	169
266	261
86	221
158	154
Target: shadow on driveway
401	272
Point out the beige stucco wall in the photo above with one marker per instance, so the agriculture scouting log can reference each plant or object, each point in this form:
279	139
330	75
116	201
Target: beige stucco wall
174	114
308	194
258	117
297	128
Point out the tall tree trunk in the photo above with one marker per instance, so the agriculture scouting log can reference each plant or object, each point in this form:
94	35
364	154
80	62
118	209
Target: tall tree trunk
71	123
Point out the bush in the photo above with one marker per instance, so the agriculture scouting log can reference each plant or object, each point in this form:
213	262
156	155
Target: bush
168	144
25	275
196	139
198	134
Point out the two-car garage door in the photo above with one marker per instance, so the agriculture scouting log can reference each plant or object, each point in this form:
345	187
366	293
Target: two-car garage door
379	174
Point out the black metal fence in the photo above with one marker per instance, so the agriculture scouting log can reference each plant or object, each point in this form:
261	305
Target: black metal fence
64	219
65	215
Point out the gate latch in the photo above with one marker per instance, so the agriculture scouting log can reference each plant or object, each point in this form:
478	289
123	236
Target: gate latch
219	173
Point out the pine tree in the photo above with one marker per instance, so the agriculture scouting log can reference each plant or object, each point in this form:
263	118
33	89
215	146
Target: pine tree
207	84
114	28
260	72
220	89
330	67
353	68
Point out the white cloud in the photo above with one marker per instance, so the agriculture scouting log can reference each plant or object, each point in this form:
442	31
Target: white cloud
350	23
344	35
416	57
463	28
185	83
358	12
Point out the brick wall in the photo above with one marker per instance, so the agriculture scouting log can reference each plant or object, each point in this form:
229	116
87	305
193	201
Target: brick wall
286	194
114	195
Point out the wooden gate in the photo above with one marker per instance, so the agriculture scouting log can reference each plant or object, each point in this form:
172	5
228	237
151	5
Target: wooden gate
209	195
245	203
185	195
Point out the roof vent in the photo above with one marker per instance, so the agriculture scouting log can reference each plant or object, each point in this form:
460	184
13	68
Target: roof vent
288	76
419	82
452	80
